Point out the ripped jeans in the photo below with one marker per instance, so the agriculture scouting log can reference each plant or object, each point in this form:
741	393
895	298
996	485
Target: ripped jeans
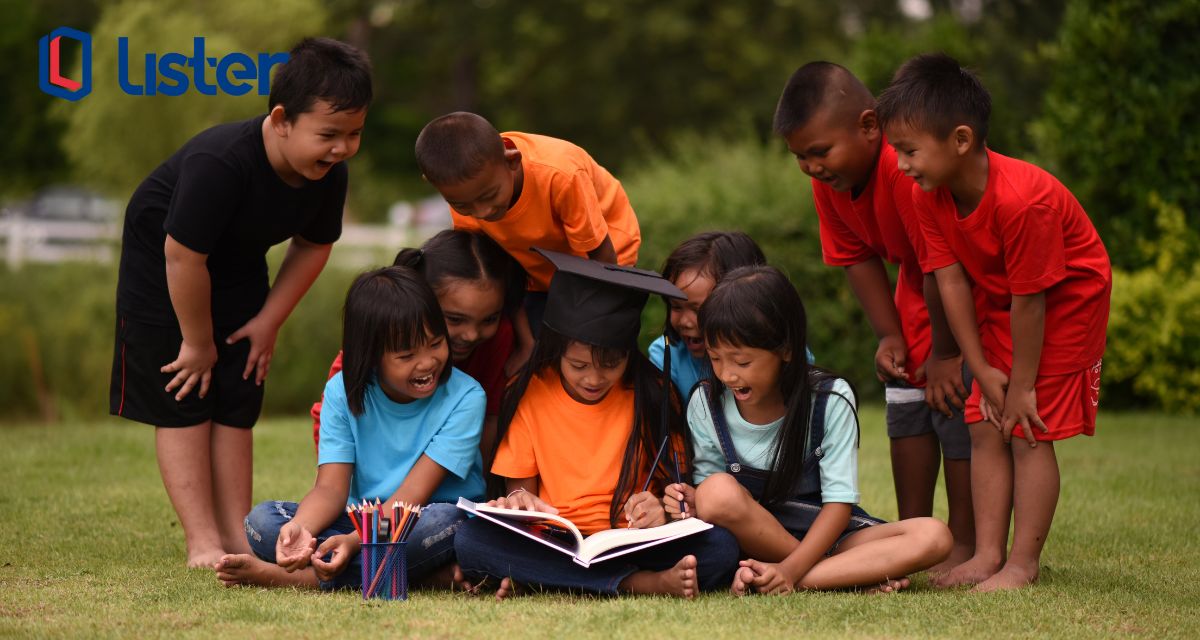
430	545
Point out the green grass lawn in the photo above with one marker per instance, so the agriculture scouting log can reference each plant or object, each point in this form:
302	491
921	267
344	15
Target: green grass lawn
91	548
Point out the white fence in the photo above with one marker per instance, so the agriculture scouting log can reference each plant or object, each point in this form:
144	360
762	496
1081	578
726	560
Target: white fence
39	241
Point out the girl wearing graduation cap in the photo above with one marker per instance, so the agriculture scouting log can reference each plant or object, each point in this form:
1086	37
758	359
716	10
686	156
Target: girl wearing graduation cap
579	431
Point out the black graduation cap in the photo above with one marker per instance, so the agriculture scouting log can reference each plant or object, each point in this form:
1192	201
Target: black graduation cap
600	303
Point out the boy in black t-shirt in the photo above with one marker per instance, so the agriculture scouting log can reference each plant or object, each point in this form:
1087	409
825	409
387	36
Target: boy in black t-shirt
197	316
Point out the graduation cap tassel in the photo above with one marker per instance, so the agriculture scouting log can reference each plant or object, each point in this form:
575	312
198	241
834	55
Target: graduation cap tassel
666	387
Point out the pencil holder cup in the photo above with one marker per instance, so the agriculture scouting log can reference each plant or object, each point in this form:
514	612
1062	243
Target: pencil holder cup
385	571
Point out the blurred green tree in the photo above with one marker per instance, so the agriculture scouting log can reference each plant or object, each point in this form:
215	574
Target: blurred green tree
114	140
1000	44
30	143
1119	119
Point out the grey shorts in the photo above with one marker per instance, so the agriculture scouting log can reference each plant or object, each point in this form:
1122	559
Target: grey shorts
908	415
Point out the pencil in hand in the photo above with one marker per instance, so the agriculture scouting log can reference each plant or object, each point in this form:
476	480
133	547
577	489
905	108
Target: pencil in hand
683	510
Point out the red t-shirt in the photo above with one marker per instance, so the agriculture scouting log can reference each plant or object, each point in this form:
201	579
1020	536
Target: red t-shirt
1028	235
485	365
880	222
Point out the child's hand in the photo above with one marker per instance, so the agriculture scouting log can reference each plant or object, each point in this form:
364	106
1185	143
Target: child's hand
890	358
944	384
678	493
994	385
762	577
643	511
294	547
1020	407
262	334
342	547
524	500
192	366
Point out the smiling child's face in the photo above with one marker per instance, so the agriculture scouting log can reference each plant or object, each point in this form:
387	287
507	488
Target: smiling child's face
684	313
752	375
929	160
586	381
472	309
838	153
316	140
486	195
413	373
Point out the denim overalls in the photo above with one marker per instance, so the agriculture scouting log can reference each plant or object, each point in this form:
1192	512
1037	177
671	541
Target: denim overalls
798	513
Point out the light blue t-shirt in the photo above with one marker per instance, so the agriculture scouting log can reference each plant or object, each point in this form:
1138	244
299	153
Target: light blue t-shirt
686	370
753	442
388	438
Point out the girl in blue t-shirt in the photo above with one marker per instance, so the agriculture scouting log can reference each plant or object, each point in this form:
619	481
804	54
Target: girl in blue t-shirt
696	266
398	423
776	457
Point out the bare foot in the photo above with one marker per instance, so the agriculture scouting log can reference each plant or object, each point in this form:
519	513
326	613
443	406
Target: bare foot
1010	577
204	559
508	589
679	580
449	576
971	572
244	569
889	586
958	555
742	579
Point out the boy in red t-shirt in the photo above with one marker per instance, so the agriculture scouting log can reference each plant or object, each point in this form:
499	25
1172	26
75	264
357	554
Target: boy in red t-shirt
1035	333
864	204
524	191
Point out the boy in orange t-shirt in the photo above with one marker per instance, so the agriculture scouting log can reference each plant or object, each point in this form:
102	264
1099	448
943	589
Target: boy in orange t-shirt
1034	329
524	191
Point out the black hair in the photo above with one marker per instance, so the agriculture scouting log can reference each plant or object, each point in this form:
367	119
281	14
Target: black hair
465	255
712	253
388	309
322	69
812	87
648	431
933	93
758	307
456	147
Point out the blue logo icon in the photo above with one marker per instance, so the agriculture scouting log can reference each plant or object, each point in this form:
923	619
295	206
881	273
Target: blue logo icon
50	73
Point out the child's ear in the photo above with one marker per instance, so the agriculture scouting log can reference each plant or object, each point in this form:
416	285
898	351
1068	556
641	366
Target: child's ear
868	123
279	120
786	356
964	139
512	158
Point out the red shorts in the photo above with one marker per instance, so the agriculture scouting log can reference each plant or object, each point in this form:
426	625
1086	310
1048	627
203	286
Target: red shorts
1066	404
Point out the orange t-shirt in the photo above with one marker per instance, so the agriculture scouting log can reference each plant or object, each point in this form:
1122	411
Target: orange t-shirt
568	203
574	449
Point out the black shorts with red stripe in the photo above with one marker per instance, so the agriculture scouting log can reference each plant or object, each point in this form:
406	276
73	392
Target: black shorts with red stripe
137	390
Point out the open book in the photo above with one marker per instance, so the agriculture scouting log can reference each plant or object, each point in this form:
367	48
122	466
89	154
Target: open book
560	534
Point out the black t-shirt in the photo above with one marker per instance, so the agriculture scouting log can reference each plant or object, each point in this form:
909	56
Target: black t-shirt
219	196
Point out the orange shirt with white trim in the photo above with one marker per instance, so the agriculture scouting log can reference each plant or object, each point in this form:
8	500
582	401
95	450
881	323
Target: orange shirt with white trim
574	449
568	203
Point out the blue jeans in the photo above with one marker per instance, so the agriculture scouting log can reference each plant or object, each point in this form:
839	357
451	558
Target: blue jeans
487	549
430	545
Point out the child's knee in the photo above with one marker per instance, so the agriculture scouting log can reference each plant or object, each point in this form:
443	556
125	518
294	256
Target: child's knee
721	499
264	521
933	536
